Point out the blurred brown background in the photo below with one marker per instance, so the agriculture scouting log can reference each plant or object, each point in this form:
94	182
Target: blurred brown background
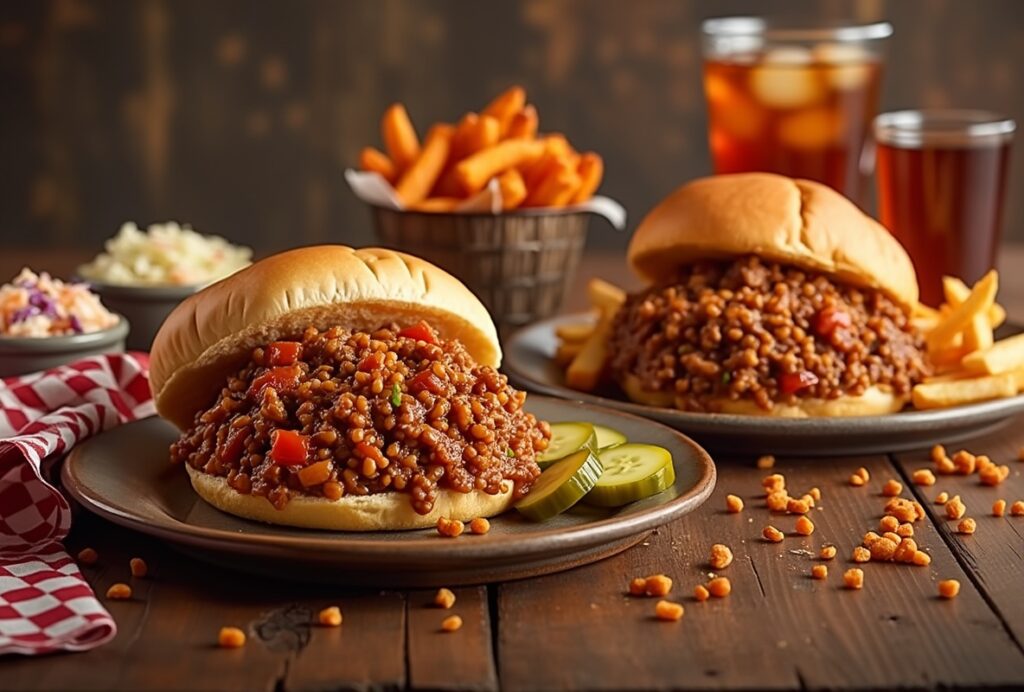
239	117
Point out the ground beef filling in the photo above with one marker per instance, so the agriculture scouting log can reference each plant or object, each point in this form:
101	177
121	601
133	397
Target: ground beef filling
748	329
340	413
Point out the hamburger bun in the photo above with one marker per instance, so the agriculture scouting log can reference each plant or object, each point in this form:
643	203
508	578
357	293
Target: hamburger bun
800	223
211	334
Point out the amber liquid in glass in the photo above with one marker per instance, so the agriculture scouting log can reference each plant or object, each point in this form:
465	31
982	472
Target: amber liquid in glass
945	207
807	120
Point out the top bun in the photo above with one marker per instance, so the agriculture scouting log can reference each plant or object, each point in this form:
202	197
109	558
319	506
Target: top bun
212	333
800	223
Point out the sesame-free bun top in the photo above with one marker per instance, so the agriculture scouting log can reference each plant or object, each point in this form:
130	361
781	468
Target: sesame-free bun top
800	223
212	333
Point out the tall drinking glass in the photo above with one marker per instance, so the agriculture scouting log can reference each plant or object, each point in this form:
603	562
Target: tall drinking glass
793	101
941	181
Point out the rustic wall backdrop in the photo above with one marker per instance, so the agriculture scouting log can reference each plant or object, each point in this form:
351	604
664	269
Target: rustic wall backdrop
239	117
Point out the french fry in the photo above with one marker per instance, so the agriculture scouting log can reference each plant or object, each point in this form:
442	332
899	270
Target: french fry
978	335
1004	355
556	188
399	136
377	161
954	393
584	372
567	352
574	331
591	170
474	133
416	182
956	292
523	124
437	204
513	189
605	296
979	301
505	105
474	172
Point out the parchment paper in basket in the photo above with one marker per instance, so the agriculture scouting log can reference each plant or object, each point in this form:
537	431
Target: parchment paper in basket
373	189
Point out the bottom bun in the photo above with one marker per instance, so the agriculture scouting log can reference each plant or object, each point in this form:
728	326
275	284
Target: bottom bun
388	511
875	401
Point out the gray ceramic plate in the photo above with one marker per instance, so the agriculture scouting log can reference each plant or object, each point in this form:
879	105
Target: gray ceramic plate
124	476
529	363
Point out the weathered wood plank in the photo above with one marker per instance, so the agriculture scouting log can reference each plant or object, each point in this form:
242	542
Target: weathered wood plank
995	553
779	629
460	660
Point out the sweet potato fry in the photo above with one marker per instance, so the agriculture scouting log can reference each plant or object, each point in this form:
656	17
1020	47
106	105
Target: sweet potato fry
954	393
524	124
475	132
399	136
416	182
956	292
473	173
437	204
556	188
505	105
980	300
1002	356
591	170
513	189
376	161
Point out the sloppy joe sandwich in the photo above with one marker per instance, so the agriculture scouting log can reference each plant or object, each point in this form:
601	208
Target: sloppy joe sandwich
335	388
767	295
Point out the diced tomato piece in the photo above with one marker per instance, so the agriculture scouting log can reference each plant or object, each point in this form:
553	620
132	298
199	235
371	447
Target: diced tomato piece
428	381
372	362
288	447
233	446
285	377
369	451
830	319
283	352
792	382
420	332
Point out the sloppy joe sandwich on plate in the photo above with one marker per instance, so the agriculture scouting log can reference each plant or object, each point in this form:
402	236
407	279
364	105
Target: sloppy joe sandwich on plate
767	296
335	388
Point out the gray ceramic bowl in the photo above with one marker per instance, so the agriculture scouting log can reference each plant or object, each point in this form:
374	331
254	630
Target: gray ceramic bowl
24	354
146	307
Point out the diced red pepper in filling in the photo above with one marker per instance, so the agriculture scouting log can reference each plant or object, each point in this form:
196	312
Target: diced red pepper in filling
420	332
285	377
369	451
829	319
288	447
283	352
233	445
792	382
428	381
372	362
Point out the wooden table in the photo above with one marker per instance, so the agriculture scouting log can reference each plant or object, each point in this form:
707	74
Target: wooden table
779	629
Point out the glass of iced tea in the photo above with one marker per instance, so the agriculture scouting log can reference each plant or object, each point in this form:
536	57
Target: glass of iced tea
941	180
795	101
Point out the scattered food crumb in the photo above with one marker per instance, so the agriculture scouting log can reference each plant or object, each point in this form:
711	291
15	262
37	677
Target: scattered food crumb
721	556
795	506
138	567
815	493
444	598
119	592
955	508
999	508
967	526
638	586
700	593
657	585
773	483
949	588
888	523
330	617
942	498
905	530
720	587
922	559
766	461
827	552
734	504
479	526
451	623
993	474
88	556
230	638
819	571
853	578
892	488
804	526
668	611
965	462
1017	509
861	554
450	528
923	477
773	535
856	480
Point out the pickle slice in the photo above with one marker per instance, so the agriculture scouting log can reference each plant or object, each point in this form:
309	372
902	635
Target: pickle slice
561	486
608	437
631	472
566	439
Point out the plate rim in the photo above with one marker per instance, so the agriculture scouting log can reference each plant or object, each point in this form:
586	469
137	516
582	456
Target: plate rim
499	546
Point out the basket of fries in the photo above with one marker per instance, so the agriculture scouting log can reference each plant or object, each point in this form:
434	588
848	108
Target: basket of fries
490	200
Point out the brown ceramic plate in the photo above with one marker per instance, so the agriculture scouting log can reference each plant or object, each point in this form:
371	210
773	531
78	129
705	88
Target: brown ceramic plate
124	475
529	363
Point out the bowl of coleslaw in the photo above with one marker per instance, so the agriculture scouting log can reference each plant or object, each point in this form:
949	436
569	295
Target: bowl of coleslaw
145	274
46	322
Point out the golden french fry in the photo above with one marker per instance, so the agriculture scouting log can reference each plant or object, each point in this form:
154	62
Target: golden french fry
399	136
417	181
556	188
574	331
591	170
605	296
979	301
943	394
948	357
474	133
956	292
506	104
524	124
377	161
1002	356
978	335
474	171
437	204
513	189
567	352
950	376
584	372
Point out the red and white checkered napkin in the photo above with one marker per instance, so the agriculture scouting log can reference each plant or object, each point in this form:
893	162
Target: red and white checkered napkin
45	603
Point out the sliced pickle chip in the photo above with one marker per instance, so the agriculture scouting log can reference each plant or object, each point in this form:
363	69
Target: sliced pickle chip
566	439
631	472
608	437
561	486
